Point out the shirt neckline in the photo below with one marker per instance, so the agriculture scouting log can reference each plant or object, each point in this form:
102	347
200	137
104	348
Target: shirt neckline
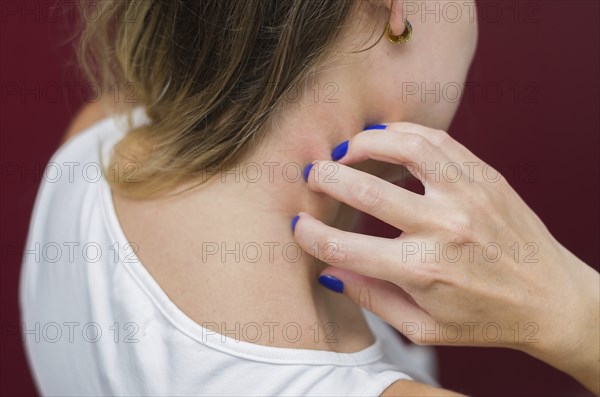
191	328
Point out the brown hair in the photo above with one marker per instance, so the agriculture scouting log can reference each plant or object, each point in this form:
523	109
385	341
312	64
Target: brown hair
209	74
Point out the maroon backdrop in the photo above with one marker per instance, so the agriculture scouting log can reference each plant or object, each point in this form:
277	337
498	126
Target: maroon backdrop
531	111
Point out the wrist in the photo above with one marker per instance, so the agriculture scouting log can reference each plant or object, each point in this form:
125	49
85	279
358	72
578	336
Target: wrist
570	338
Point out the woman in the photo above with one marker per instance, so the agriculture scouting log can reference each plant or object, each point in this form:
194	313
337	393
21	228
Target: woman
178	273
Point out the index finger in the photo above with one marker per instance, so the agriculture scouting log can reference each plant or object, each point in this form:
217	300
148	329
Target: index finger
392	204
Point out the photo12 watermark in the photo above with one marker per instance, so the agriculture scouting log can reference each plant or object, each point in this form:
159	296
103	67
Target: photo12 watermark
70	332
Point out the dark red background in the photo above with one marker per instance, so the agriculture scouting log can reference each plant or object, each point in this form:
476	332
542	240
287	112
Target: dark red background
532	112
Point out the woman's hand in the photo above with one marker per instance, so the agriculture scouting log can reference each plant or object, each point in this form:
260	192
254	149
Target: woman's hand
474	264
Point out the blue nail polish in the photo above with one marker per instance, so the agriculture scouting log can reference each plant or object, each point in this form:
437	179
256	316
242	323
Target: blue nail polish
376	127
332	283
339	151
306	171
294	221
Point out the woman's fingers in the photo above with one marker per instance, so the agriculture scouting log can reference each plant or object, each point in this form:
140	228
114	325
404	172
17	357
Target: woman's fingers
394	205
413	151
451	147
350	251
381	297
430	155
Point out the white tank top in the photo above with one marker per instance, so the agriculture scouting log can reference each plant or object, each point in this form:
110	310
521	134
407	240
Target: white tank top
95	322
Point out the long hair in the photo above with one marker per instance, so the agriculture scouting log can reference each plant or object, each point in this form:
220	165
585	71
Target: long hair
210	75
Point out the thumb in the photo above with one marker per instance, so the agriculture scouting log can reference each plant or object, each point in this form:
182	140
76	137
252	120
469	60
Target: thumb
383	298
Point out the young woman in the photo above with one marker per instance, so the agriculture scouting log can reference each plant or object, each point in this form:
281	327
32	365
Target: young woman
178	271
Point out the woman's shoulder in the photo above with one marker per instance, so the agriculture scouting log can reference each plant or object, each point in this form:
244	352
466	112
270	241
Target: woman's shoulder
90	138
93	113
74	173
404	387
88	115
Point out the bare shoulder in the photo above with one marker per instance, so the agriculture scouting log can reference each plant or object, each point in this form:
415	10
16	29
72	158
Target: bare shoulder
88	115
412	388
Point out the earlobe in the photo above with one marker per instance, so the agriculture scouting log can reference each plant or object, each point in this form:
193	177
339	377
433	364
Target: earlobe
396	22
395	25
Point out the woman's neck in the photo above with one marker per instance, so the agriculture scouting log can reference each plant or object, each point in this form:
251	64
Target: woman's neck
224	251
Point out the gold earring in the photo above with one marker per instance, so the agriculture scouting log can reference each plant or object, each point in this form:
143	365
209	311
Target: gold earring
404	37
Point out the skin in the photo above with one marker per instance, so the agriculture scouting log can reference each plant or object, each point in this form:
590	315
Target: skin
223	290
553	294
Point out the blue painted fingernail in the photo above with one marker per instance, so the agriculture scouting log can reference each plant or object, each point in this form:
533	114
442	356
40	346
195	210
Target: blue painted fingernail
332	283
376	127
340	151
306	171
294	221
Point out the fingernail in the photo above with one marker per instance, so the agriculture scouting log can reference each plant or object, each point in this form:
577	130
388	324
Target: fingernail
376	127
294	221
306	171
332	283
339	151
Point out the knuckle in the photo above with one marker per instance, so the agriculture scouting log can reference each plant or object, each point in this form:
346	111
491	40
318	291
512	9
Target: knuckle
369	194
460	229
363	298
477	196
426	275
333	249
481	200
440	137
417	145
